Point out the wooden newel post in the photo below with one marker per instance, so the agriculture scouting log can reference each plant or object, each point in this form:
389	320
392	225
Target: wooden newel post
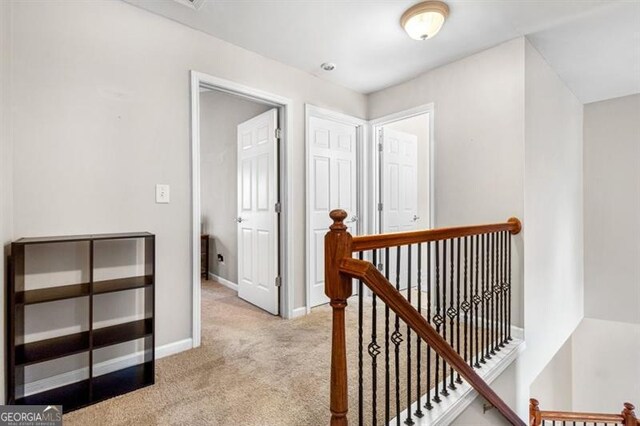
535	418
337	246
629	415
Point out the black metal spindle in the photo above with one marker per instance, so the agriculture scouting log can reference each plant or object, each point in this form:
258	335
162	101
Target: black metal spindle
409	420
501	290
444	391
396	339
493	295
505	287
476	302
437	320
419	412
487	298
374	351
428	404
459	246
483	294
387	380
451	312
509	288
360	344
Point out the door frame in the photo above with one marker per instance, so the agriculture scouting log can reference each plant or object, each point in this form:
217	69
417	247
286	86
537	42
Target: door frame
374	158
361	135
285	189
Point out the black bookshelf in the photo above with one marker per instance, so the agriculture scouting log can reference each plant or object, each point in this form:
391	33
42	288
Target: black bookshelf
95	388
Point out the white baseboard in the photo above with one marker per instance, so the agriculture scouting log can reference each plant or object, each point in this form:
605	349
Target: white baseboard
225	282
101	368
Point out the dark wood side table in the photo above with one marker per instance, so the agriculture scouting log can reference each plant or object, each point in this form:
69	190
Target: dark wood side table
204	256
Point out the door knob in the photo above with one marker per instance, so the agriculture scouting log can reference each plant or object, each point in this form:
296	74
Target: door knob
239	220
416	217
353	219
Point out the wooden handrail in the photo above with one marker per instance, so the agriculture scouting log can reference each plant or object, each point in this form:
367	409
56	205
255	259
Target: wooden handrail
381	287
537	416
371	242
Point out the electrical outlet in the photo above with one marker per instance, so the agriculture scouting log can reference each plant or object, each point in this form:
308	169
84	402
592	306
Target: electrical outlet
162	194
220	258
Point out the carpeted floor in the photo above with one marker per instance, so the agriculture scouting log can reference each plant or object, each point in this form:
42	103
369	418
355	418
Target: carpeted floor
252	369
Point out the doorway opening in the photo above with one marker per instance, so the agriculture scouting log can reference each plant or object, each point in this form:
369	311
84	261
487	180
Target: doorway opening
404	173
240	193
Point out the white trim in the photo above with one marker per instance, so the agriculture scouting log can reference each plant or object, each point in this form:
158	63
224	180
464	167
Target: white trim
285	105
361	133
451	407
102	368
300	312
225	282
374	126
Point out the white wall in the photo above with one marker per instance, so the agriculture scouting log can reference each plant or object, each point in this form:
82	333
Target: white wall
553	231
102	117
478	139
612	209
220	115
607	373
553	387
6	190
419	126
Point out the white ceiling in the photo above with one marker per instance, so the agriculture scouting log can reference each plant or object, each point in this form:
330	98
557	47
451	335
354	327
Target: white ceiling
594	45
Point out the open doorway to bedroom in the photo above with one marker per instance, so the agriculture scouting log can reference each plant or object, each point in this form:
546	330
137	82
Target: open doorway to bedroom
239	203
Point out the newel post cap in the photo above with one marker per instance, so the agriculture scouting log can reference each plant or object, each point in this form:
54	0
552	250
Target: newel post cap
338	216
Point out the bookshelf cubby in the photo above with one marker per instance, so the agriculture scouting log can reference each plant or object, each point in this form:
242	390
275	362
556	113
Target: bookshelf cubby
105	379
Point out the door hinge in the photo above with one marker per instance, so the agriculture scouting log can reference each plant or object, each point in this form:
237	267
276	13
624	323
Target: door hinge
278	281
278	133
380	146
379	207
278	207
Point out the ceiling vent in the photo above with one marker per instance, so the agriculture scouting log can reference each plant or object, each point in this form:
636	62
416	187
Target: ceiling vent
193	4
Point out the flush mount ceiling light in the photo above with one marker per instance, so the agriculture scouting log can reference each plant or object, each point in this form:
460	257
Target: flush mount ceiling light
424	20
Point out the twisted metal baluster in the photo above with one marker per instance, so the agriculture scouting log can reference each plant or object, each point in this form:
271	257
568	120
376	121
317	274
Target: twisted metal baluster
427	404
360	345
387	396
374	350
419	412
437	320
409	421
396	339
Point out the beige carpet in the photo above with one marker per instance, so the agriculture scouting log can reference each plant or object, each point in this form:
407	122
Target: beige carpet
252	369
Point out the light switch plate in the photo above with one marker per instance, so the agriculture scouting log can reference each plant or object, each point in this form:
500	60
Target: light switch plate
162	194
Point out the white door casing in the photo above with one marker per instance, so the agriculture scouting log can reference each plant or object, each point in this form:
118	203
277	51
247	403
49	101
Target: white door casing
399	190
257	219
332	163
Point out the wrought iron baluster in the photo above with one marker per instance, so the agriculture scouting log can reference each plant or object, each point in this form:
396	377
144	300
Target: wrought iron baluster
444	392
487	297
451	312
374	350
428	404
419	412
509	287
493	295
437	320
360	345
458	378
501	290
507	326
396	339
387	394
409	420
476	301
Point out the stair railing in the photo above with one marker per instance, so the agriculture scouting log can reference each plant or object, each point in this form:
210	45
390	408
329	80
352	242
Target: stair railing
473	261
539	418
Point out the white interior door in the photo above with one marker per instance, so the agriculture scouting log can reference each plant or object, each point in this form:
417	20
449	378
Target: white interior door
332	164
399	190
257	218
